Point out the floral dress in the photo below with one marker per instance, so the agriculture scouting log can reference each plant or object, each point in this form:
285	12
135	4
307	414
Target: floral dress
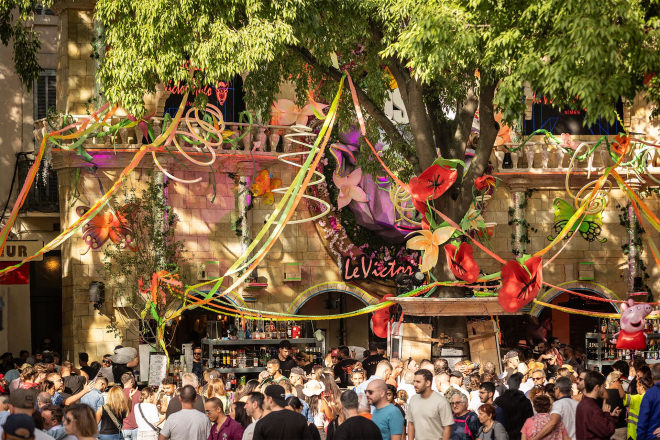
535	424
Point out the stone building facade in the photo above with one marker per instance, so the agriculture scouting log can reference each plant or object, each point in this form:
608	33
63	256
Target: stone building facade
210	241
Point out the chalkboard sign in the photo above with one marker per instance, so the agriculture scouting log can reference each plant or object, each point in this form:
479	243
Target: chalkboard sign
567	120
157	368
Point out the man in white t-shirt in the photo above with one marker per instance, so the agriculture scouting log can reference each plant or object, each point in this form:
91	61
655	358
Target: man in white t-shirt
563	410
254	407
188	423
429	413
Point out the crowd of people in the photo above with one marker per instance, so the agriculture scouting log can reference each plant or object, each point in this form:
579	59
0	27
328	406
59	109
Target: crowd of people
543	395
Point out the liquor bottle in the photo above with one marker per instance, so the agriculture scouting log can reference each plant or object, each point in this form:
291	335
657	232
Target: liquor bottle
289	330
233	380
233	358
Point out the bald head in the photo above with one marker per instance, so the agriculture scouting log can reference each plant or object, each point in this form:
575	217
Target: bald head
375	392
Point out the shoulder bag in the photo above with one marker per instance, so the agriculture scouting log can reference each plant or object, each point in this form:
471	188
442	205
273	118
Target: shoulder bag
145	419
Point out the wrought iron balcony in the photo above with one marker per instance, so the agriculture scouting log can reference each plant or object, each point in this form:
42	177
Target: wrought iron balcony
43	196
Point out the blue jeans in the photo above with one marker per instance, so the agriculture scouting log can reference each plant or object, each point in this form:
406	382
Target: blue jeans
130	434
109	436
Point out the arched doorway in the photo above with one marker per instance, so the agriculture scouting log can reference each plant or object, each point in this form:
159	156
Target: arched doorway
571	328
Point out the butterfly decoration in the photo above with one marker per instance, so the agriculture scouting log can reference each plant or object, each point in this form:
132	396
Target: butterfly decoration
109	224
461	262
264	185
520	283
590	227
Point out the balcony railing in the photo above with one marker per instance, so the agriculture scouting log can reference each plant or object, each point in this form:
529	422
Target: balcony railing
246	138
43	196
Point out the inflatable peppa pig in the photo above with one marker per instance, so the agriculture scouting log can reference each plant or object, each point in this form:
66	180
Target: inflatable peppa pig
632	336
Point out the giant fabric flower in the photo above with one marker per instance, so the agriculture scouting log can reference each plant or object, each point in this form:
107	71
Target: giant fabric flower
431	184
348	188
567	141
462	263
429	242
621	144
520	284
484	182
286	112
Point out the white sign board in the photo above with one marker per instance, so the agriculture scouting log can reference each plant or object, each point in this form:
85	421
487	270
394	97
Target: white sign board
144	350
157	369
18	250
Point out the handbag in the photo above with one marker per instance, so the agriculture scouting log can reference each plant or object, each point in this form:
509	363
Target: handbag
145	419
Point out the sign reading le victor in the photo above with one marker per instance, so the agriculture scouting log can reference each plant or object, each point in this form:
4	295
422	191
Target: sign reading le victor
17	250
364	267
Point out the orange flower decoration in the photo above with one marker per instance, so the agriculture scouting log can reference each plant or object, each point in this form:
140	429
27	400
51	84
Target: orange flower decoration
621	144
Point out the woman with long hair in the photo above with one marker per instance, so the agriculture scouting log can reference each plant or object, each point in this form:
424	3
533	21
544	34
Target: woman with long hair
216	388
147	417
237	412
79	421
111	414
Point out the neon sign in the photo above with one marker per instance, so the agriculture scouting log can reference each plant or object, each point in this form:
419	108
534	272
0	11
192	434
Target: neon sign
364	267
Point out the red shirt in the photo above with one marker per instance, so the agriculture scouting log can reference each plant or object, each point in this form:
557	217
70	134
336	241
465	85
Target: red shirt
132	397
591	422
229	430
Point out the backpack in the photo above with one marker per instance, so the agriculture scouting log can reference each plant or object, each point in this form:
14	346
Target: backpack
466	427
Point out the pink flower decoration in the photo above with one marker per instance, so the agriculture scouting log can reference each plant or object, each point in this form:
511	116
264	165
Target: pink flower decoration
567	142
348	188
286	112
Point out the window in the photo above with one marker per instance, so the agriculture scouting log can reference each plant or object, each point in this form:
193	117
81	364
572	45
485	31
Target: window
44	93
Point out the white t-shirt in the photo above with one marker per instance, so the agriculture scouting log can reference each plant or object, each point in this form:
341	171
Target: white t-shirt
248	434
566	408
150	413
186	424
429	415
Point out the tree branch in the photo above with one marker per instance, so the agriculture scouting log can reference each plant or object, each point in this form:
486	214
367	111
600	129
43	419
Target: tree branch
464	117
376	112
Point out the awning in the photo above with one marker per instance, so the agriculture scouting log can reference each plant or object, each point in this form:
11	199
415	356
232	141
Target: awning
452	306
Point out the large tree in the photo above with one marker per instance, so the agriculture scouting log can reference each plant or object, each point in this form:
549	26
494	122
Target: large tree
447	57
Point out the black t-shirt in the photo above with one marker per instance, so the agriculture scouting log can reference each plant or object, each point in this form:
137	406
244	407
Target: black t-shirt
91	372
358	427
282	425
118	370
343	371
73	384
287	365
615	401
175	405
370	363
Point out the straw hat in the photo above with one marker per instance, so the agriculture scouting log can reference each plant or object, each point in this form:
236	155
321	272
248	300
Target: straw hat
313	388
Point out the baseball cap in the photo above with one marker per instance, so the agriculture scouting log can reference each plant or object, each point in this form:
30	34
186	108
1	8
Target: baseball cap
510	355
277	393
19	425
25	399
457	374
335	353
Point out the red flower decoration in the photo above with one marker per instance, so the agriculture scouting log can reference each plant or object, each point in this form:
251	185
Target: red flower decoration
462	263
484	182
621	144
520	286
430	185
